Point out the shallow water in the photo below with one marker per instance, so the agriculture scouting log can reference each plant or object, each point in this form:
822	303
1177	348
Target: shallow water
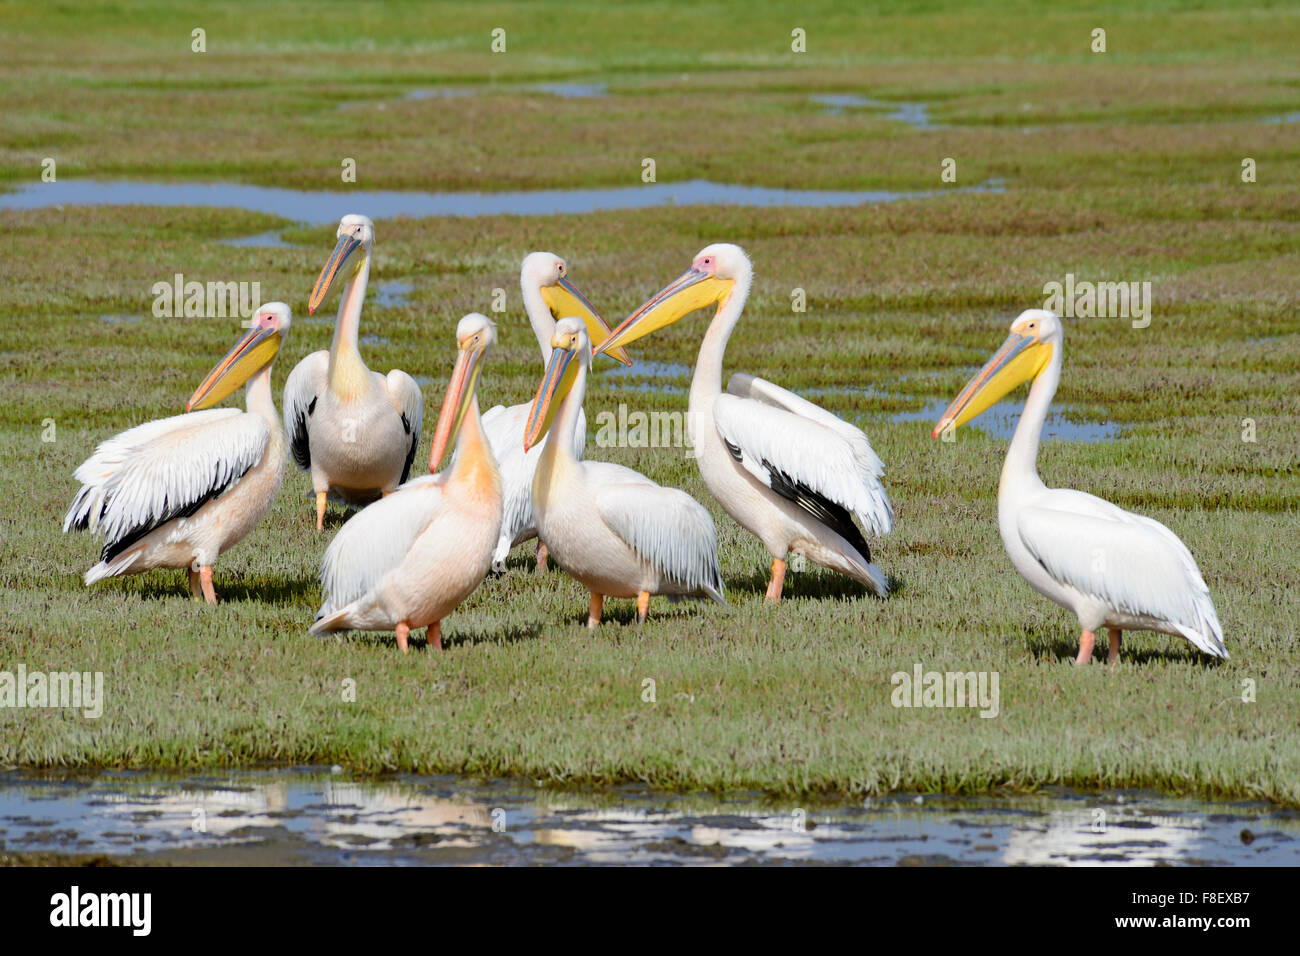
1000	421
916	115
263	240
325	207
313	815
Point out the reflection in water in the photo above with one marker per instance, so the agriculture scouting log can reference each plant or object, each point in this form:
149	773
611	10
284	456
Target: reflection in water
327	207
317	816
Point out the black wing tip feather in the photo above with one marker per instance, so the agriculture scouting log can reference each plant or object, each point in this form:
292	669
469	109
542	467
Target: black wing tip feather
115	547
299	445
833	515
410	455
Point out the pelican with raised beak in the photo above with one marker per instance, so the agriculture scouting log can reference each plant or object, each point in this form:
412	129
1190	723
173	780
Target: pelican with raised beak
411	558
354	430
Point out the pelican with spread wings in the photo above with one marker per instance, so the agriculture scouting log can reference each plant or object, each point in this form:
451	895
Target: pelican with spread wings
181	491
1110	567
355	430
785	469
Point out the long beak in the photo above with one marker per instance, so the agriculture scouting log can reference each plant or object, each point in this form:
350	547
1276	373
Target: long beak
693	289
254	351
332	265
559	378
1020	358
564	300
459	397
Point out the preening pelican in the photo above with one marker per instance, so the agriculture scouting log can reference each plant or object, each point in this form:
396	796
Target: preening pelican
788	471
547	294
612	528
1108	566
354	430
181	491
409	559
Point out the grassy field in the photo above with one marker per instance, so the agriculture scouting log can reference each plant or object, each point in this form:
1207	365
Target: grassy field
1124	165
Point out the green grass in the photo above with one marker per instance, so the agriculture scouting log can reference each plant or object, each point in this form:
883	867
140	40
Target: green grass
1122	166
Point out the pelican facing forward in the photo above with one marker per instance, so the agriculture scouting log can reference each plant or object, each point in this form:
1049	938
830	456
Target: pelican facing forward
409	559
613	529
788	471
1108	566
181	491
547	294
354	430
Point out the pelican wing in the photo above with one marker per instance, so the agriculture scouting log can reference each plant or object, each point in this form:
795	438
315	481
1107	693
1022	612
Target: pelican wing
301	388
406	398
665	527
1131	563
504	427
376	540
806	454
154	473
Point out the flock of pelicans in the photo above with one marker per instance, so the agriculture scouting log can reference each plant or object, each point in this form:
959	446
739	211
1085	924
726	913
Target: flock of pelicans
178	492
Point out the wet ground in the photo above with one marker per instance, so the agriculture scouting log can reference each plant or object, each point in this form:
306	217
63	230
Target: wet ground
324	816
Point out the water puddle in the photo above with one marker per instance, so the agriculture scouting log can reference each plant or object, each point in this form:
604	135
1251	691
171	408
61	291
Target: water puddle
317	816
120	319
668	378
263	240
1285	118
324	208
390	293
1000	420
916	115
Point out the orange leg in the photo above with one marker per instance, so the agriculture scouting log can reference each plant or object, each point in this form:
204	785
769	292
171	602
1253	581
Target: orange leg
542	555
778	580
1115	635
205	582
320	509
597	605
642	606
403	631
195	590
1086	643
433	636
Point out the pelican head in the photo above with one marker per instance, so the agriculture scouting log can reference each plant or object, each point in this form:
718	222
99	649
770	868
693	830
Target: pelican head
252	353
549	274
710	279
475	334
570	341
355	230
1025	353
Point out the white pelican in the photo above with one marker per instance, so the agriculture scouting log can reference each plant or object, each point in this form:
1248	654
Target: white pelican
181	491
788	471
354	430
1108	566
547	294
409	559
613	529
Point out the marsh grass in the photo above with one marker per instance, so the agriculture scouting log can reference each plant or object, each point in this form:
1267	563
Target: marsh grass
1131	173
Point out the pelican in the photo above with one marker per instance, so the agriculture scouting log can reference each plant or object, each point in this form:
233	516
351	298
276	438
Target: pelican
181	491
354	430
785	469
547	294
409	559
1108	566
613	529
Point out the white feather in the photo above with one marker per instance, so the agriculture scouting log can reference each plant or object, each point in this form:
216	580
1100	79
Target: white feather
1127	562
304	383
137	477
405	396
805	442
376	540
666	528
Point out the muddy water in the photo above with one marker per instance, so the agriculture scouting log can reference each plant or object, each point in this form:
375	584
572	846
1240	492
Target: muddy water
316	815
